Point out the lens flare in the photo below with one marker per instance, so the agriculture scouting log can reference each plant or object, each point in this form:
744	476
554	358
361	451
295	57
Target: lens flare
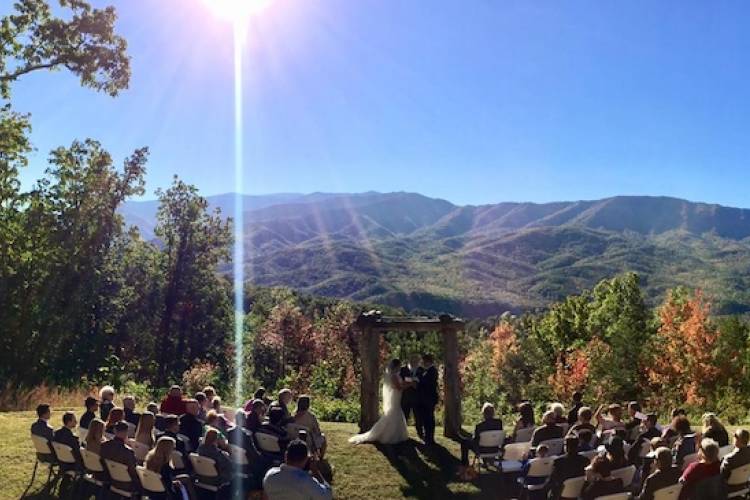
236	10
239	232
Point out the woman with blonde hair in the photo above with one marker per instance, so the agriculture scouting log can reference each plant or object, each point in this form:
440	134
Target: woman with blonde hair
144	434
714	429
116	414
106	401
158	460
95	436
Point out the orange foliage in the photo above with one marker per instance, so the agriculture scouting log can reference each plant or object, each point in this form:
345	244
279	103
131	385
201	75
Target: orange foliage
502	341
684	352
571	374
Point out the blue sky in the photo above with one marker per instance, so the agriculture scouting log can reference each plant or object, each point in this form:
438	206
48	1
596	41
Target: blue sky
475	101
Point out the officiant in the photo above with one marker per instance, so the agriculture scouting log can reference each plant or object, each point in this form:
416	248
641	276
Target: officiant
409	398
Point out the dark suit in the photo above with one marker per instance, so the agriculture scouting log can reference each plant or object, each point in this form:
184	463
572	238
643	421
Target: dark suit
737	458
409	395
43	429
65	436
132	416
602	488
566	467
658	480
86	419
493	424
104	409
427	390
545	433
117	451
192	428
573	414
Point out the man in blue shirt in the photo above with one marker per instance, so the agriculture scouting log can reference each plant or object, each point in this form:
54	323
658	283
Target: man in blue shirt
292	481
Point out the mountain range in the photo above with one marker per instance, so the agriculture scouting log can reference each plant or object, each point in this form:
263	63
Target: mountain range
416	252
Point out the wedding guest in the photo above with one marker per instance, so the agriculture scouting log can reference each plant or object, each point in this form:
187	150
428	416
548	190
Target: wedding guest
737	458
158	460
65	436
209	449
285	398
202	403
118	451
714	429
571	464
525	418
602	483
190	426
144	434
489	423
214	422
274	426
649	432
91	404
633	426
223	424
707	467
171	430
541	451
261	394
585	440
116	415
666	474
256	415
307	419
616	453
614	422
41	427
583	424
158	417
669	434
291	481
95	436
577	405
131	416
210	393
550	429
173	404
559	410
685	443
238	436
106	401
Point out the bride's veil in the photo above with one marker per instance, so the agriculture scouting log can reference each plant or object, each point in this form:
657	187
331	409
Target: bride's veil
388	388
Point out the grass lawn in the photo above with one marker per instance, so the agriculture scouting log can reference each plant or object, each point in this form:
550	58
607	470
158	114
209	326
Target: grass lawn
361	472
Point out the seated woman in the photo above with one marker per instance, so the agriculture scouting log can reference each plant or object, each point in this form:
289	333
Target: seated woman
116	414
95	436
714	429
559	410
601	482
158	460
707	467
210	449
256	415
616	453
525	418
685	442
144	434
106	402
308	420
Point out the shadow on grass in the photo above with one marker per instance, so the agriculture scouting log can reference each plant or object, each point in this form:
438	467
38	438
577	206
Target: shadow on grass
429	470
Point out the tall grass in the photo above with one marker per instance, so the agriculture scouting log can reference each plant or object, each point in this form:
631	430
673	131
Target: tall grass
19	399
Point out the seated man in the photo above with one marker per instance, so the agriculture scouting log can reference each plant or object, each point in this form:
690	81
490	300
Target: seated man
131	416
550	429
737	458
117	450
172	429
41	427
285	399
567	466
256	415
614	422
666	474
274	427
309	421
173	404
64	435
190	426
237	436
490	423
92	405
584	422
575	408
291	481
650	432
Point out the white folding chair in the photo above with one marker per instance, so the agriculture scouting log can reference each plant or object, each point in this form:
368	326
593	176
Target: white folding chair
513	455
626	474
267	442
66	459
725	450
150	480
738	482
616	496
689	459
572	488
524	434
206	475
46	457
239	460
555	446
131	429
140	450
119	472
490	440
176	460
668	493
538	468
92	463
82	433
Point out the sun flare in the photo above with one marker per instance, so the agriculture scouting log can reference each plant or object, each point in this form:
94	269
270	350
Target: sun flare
236	10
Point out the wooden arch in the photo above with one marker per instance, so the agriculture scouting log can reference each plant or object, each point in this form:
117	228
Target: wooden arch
371	325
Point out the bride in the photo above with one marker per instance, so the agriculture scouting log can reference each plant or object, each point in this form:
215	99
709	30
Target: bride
391	426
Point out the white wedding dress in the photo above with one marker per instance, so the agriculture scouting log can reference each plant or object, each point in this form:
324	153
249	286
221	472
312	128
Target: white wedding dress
391	426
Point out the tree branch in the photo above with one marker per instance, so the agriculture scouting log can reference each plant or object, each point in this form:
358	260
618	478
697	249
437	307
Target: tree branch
7	77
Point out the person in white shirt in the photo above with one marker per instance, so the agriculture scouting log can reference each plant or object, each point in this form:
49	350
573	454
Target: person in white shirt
292	481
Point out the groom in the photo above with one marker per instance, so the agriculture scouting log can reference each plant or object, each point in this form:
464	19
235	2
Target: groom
427	398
